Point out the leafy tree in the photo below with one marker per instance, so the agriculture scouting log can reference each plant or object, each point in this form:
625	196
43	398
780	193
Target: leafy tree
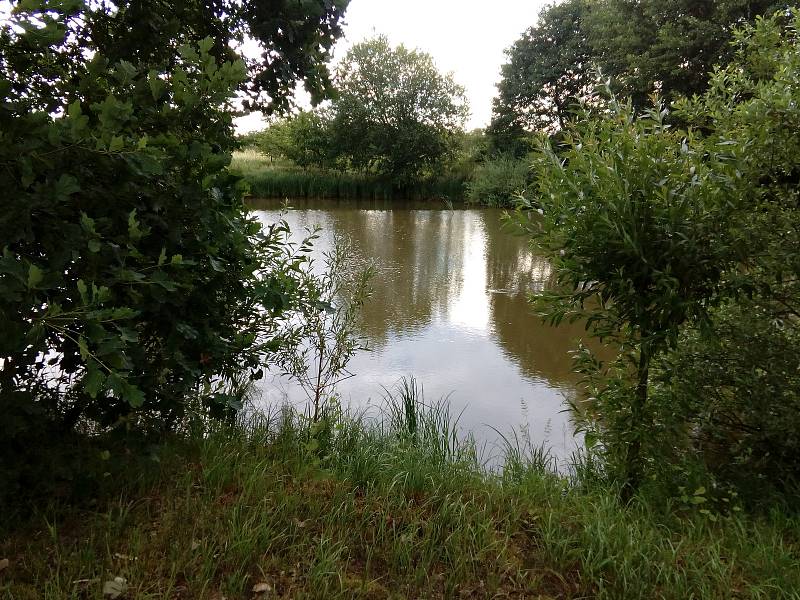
498	181
319	348
548	72
686	242
132	279
634	220
667	46
645	47
394	113
309	139
303	138
294	38
736	382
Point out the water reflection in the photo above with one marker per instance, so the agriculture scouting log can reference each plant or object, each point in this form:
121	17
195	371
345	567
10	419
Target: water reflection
450	307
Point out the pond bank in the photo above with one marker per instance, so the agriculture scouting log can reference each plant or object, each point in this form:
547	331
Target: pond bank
370	511
279	180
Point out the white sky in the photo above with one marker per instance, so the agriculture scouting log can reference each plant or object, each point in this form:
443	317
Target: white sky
465	37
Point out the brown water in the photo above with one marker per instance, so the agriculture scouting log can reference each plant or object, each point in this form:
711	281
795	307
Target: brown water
450	308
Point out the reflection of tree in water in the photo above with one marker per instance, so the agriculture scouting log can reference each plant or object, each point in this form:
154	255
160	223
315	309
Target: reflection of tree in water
420	258
419	261
513	272
418	255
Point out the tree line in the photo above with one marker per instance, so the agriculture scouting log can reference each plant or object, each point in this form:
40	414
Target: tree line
560	66
393	114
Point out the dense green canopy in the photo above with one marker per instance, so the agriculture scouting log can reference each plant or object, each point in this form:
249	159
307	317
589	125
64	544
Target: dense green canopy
668	47
134	287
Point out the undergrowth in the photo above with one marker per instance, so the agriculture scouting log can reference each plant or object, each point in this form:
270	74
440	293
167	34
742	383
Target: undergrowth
350	507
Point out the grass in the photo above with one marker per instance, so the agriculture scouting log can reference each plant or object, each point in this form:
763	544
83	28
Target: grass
396	508
284	180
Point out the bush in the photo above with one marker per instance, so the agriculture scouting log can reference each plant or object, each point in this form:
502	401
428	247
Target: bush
498	181
134	286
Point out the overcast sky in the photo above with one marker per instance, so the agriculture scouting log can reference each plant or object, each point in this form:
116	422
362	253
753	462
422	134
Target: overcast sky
466	37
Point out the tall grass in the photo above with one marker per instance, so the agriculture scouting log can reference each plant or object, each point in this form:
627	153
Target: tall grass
287	181
396	506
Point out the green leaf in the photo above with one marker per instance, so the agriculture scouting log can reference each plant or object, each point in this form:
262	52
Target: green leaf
116	144
83	347
94	381
133	396
66	186
133	227
87	223
157	86
83	291
125	390
74	111
35	276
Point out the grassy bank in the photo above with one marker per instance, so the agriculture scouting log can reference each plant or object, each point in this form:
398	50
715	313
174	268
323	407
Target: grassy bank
284	180
367	510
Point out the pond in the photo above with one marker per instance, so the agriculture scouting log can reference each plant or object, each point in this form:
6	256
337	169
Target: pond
450	308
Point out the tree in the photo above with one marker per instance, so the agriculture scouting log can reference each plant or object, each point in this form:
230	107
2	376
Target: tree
737	381
670	47
319	348
548	72
133	282
634	217
394	113
682	245
644	46
309	139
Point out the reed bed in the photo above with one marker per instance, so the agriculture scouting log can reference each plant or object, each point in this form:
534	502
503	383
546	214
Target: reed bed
282	180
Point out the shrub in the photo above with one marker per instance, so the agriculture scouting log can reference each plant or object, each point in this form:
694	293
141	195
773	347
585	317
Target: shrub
498	181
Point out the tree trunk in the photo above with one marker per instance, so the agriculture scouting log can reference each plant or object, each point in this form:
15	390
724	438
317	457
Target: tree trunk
633	459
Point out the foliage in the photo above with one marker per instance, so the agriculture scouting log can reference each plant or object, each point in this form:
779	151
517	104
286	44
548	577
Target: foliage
667	46
308	137
651	228
738	389
318	348
633	216
288	181
547	73
131	277
498	181
645	47
394	113
736	383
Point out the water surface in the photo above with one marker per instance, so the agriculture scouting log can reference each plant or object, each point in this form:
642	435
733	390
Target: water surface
450	308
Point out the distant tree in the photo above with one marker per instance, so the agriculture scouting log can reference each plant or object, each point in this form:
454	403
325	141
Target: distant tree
667	47
394	113
548	72
308	137
271	142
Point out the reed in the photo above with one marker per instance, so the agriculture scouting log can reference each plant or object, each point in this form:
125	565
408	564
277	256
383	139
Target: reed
287	181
